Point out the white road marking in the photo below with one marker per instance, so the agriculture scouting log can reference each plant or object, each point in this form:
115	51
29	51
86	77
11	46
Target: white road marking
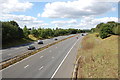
63	60
26	66
24	59
41	68
41	56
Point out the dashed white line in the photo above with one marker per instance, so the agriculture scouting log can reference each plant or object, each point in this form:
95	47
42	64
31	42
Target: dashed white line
26	66
41	68
23	60
41	56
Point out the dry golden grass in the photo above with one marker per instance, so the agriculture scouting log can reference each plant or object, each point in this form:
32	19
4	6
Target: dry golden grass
99	57
32	37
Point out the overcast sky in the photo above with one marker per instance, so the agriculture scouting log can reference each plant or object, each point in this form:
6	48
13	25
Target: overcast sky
79	14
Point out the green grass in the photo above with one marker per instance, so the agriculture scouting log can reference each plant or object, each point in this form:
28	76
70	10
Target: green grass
99	57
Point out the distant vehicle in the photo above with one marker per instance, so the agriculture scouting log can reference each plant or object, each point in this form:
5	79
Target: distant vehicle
55	39
40	42
31	47
82	34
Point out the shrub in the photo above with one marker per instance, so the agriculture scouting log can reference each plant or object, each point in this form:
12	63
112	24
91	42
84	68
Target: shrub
105	30
96	35
103	34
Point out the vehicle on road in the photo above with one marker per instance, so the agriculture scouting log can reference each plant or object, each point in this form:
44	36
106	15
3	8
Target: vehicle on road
82	34
55	39
40	42
31	47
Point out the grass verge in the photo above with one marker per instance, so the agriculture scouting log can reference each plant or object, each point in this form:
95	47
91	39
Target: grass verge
99	57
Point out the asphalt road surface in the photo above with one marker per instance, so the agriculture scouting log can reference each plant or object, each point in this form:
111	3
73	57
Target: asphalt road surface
56	61
14	51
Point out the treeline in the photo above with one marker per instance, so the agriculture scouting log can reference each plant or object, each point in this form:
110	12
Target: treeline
11	32
48	33
107	29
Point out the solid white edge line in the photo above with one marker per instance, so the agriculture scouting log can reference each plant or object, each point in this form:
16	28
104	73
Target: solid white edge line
63	60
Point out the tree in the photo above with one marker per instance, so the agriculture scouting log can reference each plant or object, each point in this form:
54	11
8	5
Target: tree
72	31
43	34
34	32
11	31
93	30
26	31
14	23
105	30
98	27
116	30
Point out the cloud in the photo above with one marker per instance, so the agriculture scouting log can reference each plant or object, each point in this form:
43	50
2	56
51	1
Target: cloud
17	17
84	23
114	9
63	23
39	15
8	6
31	24
23	20
75	9
108	0
73	21
90	22
67	0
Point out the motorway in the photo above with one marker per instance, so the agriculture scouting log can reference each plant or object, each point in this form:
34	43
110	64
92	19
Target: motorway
56	61
14	51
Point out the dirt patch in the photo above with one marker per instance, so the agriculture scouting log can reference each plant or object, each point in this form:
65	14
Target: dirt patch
87	45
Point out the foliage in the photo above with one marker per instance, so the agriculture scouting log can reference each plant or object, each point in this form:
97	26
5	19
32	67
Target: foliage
26	31
12	32
106	29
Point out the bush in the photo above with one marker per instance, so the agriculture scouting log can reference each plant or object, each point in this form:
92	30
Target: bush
96	35
103	35
105	31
